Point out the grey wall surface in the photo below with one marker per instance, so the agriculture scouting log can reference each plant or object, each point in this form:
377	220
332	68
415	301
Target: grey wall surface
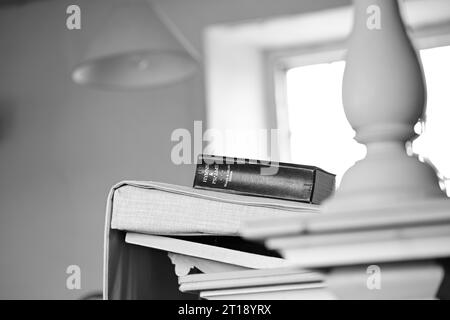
63	146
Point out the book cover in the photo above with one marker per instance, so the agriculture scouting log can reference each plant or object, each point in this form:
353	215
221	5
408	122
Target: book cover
159	208
258	178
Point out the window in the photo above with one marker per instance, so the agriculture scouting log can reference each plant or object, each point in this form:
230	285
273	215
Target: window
320	134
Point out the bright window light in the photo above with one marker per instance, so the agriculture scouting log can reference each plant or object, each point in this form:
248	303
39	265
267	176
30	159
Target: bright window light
322	136
320	133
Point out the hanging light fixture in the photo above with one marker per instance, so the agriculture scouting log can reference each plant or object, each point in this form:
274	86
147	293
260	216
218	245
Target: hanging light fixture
135	49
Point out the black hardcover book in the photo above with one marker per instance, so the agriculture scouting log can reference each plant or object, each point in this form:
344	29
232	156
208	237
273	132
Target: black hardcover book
259	178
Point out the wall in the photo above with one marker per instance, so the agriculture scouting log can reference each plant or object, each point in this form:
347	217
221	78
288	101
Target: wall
62	146
192	16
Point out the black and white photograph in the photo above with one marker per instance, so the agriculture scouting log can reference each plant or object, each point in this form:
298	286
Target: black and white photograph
246	151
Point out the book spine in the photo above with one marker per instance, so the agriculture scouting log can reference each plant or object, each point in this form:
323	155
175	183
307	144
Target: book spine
256	178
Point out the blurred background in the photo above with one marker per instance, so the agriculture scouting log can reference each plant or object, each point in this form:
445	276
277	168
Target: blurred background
65	138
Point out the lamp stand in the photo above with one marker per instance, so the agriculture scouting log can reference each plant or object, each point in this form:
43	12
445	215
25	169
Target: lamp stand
384	96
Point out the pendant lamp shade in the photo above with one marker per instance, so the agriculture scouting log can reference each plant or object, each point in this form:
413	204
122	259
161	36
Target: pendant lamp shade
134	49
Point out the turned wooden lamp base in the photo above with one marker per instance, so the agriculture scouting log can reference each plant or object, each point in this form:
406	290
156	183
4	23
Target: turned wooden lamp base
387	176
384	96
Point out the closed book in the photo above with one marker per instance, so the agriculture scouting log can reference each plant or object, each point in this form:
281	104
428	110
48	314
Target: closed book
160	208
258	178
302	291
247	279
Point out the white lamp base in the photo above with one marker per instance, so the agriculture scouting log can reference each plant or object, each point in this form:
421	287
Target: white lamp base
384	95
386	176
